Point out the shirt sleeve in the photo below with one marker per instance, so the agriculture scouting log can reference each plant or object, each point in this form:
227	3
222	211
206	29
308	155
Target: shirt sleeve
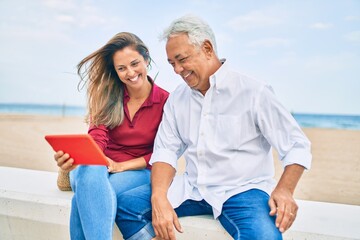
168	145
281	130
100	135
147	159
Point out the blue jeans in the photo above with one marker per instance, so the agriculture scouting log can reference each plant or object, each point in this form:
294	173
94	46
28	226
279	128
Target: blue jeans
96	199
244	216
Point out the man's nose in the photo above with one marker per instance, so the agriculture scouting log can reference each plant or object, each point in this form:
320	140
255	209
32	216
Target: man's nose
178	68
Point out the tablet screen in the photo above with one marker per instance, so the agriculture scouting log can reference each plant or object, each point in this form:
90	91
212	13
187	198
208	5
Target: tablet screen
81	147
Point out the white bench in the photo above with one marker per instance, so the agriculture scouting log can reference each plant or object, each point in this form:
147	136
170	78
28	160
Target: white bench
31	207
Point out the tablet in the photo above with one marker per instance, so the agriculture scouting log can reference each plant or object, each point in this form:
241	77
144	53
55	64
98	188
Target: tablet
81	147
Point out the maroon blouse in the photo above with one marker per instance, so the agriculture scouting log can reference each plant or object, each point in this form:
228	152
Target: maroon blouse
133	139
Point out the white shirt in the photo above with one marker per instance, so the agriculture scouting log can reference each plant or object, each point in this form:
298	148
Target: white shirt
226	138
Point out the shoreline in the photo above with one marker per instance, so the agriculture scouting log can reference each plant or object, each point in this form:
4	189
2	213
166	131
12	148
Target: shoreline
334	176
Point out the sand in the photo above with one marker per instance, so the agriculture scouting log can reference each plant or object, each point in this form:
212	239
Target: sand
334	176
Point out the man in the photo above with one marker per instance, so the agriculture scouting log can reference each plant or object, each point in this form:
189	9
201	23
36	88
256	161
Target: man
224	123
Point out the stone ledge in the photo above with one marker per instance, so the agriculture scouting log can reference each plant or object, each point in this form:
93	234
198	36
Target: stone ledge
31	207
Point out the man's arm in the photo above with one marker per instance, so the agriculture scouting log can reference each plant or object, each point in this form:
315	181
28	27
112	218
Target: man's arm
164	217
281	200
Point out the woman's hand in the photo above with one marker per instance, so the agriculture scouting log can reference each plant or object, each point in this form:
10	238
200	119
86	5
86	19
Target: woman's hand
64	161
114	167
131	164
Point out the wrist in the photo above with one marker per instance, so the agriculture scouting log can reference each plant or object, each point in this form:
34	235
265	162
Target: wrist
158	195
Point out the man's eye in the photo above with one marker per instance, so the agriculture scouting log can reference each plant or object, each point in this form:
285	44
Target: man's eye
182	60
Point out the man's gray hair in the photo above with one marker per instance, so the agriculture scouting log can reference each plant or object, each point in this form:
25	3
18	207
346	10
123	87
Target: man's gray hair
197	30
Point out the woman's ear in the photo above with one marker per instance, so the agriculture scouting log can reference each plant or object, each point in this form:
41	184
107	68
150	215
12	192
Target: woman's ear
147	63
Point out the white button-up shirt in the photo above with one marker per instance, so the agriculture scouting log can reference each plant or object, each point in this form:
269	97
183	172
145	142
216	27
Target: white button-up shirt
226	138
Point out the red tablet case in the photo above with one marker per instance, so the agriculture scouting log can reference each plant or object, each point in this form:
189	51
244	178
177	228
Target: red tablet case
81	147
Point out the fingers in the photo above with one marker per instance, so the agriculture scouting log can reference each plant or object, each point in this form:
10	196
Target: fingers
177	224
285	216
272	207
110	166
109	161
64	161
164	230
288	218
164	220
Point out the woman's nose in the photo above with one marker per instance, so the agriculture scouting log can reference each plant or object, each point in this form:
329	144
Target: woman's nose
130	72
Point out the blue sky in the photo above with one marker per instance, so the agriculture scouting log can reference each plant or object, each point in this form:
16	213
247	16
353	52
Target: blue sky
309	51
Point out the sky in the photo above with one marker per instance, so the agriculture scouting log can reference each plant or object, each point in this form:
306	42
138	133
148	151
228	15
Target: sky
308	51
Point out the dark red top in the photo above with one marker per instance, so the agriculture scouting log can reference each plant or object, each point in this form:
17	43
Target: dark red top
133	139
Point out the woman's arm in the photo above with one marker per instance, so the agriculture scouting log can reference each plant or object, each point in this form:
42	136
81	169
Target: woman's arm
132	164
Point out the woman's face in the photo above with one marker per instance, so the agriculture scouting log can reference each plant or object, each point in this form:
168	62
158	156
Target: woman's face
131	67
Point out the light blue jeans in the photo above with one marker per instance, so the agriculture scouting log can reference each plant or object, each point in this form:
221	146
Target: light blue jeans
244	216
96	199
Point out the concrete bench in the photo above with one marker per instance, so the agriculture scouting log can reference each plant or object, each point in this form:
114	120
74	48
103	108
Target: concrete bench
31	207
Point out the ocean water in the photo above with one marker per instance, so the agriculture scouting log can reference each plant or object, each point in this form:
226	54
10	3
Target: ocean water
304	119
38	109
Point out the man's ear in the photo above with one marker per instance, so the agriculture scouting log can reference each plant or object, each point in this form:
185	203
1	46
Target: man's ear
208	48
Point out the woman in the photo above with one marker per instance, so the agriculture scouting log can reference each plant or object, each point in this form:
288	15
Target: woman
124	112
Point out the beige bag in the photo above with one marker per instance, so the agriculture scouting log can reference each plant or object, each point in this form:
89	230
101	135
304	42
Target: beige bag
63	180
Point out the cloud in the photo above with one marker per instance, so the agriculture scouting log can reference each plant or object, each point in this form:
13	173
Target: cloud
254	19
331	63
65	18
269	42
352	18
353	37
289	58
79	14
61	5
321	26
224	39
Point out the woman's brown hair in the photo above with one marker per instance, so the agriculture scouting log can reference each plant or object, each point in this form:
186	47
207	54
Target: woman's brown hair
105	90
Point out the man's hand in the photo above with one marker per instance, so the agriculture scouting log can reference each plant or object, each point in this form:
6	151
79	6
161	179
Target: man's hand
284	206
281	202
164	218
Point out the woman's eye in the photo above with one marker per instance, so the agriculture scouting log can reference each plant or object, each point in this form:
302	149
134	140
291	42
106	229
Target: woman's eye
135	64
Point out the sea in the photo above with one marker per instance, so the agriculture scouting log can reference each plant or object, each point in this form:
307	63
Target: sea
306	120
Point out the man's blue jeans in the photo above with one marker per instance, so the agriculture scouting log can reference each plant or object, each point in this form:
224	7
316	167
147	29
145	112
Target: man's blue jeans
244	216
96	197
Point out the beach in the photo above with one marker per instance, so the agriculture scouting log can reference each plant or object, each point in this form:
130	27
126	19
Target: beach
334	176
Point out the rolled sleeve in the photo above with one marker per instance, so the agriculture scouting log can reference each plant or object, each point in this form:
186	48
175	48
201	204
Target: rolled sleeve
164	155
299	154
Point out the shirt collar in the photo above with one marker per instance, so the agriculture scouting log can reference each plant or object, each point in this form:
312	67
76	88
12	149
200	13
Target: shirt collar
218	78
154	96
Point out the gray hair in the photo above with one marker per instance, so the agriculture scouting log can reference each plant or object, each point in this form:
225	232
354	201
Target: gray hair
197	30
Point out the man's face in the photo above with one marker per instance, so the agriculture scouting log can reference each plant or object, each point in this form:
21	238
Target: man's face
189	61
